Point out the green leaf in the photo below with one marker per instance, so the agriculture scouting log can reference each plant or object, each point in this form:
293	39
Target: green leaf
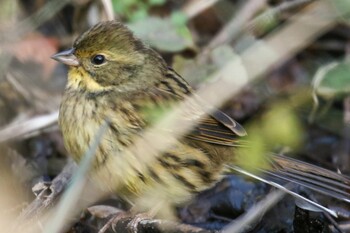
138	15
156	2
178	18
161	34
343	8
119	7
333	80
133	10
278	127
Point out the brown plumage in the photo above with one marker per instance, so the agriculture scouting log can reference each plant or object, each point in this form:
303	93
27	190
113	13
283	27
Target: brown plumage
114	77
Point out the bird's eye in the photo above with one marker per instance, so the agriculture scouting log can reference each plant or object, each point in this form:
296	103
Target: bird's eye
98	59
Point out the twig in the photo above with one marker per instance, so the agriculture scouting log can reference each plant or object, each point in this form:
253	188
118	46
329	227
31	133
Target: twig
157	226
55	219
19	87
237	24
45	199
260	57
234	26
18	130
108	6
291	5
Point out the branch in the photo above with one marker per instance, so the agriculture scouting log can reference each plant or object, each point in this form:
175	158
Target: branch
156	226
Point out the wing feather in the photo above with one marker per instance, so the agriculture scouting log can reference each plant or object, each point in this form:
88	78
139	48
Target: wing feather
215	127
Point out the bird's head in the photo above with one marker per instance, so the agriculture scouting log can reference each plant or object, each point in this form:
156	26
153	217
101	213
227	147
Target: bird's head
109	56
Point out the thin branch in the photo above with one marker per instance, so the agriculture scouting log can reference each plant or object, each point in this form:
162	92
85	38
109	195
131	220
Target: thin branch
48	194
291	5
18	87
21	129
235	25
108	6
157	226
241	21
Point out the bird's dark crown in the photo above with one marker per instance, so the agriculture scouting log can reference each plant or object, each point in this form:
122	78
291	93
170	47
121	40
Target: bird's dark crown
110	36
111	56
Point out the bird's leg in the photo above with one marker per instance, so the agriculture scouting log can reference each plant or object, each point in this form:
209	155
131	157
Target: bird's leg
136	219
114	220
132	225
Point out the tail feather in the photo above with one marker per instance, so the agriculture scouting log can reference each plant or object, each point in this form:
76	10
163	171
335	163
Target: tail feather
293	165
292	171
286	189
310	176
316	186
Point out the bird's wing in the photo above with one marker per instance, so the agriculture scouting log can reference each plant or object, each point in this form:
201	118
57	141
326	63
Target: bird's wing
217	128
214	127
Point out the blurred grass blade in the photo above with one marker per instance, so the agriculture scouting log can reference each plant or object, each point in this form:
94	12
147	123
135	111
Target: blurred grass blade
245	221
67	206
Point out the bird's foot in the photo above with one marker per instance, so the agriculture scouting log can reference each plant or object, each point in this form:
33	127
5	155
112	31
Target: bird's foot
113	221
133	224
131	227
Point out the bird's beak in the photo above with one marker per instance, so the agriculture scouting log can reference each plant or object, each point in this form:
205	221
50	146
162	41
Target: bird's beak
66	57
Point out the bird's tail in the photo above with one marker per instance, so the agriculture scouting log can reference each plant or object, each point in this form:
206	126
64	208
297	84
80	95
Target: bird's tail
287	170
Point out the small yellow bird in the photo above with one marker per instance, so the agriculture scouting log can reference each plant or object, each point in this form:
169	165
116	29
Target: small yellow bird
115	77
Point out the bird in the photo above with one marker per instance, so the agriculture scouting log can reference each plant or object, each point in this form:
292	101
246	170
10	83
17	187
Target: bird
117	79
